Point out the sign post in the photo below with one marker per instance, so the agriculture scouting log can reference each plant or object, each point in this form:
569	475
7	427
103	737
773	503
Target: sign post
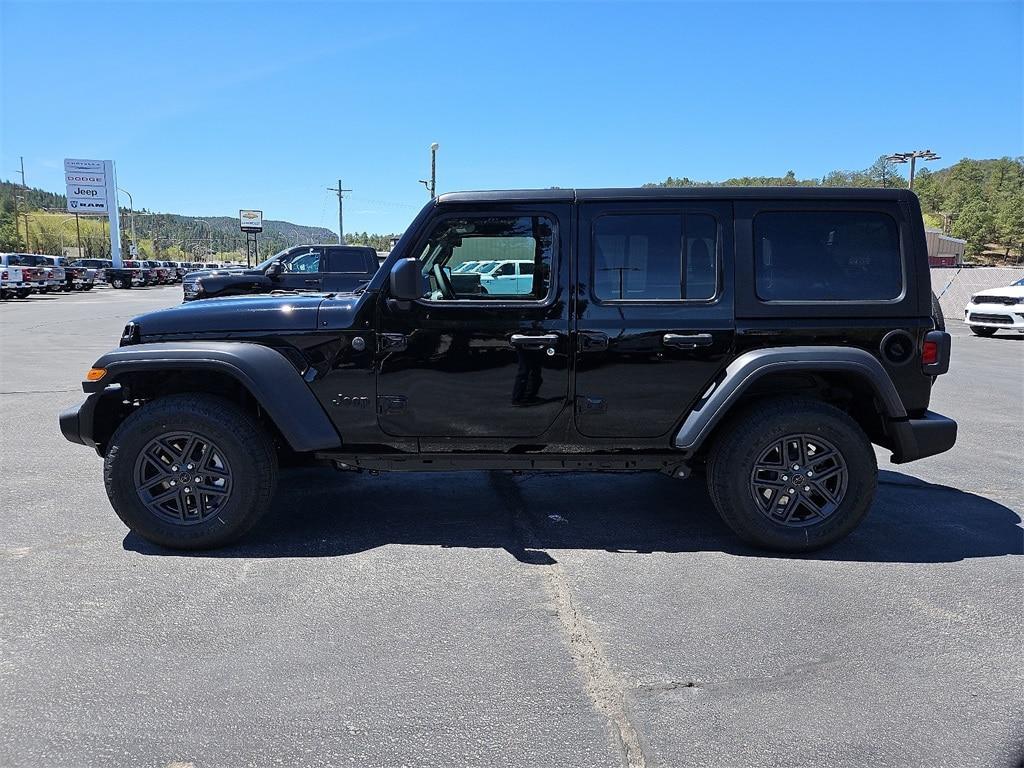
251	222
92	189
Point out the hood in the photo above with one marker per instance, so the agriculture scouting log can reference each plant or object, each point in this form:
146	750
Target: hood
1017	291
232	271
280	313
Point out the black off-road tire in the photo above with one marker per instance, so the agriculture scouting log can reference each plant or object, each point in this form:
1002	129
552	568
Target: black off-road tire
245	445
23	293
937	316
743	440
983	330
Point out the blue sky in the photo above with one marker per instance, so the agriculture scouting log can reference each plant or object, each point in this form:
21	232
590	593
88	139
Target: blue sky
211	107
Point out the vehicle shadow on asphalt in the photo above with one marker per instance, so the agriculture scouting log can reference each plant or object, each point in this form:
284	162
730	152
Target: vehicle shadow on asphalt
322	513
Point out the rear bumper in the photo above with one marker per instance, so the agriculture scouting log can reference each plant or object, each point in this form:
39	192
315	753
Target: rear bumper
918	438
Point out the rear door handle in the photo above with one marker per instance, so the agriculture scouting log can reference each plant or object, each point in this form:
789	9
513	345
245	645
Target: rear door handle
522	340
687	340
312	281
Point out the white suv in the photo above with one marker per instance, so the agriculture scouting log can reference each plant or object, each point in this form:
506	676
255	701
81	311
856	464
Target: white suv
997	308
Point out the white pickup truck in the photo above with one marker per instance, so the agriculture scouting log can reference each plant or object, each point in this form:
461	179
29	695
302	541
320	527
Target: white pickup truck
32	277
12	283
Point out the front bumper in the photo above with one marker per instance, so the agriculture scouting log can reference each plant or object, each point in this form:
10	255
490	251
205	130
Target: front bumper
928	435
76	423
1008	316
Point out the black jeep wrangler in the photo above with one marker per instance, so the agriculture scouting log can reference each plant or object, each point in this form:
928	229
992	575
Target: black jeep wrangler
330	268
765	336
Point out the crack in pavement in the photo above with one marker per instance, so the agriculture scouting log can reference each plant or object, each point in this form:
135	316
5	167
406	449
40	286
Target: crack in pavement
602	685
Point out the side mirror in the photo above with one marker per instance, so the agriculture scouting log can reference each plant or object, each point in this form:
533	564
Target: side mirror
407	282
275	269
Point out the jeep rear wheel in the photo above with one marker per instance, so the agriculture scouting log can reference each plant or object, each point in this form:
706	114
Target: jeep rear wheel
981	330
792	474
190	472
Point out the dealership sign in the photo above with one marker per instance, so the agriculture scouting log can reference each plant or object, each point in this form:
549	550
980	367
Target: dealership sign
251	221
92	189
88	186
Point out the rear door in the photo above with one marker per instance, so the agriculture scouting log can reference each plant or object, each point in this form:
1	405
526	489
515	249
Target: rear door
654	313
347	268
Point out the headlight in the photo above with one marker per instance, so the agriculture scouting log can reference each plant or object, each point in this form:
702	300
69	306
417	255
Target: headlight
131	335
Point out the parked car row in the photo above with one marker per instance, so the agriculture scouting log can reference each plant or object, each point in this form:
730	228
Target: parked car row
22	274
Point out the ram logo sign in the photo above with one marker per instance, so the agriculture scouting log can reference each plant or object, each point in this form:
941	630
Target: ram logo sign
251	221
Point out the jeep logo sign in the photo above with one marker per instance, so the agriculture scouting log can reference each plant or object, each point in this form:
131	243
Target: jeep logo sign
250	221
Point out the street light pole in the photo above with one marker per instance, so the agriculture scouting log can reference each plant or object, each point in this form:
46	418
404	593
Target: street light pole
912	157
131	213
431	185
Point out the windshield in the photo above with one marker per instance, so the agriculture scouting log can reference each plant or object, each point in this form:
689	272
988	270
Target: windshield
262	266
1020	282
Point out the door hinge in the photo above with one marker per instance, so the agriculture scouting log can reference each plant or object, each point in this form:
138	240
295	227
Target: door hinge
590	405
392	342
391	403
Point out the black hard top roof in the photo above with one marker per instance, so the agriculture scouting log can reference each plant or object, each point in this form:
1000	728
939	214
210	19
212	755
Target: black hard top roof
675	193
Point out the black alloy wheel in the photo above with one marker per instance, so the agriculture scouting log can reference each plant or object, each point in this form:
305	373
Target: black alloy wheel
183	478
799	480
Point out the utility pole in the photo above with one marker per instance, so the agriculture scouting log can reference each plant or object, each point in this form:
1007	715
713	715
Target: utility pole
341	221
22	159
912	157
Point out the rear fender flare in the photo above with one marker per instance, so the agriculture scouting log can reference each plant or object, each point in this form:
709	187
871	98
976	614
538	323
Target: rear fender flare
746	369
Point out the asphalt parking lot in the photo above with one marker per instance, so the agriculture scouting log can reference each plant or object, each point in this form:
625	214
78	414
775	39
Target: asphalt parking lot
490	619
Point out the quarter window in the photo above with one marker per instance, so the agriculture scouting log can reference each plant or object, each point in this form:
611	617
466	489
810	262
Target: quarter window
493	246
827	256
658	256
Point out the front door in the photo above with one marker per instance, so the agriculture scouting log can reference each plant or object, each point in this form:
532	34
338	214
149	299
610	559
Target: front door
475	358
301	270
654	315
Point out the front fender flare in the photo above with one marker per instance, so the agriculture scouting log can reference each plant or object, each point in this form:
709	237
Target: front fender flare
746	369
267	375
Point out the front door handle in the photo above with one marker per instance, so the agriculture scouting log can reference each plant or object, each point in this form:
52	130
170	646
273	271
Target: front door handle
312	281
687	340
523	340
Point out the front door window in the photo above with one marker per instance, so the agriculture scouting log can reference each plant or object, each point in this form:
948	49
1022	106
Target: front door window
489	258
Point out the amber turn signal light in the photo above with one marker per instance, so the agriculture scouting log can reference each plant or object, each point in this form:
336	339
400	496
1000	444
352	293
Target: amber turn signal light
95	374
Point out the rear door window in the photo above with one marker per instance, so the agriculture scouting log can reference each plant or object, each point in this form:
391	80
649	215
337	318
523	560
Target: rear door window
655	257
342	260
815	256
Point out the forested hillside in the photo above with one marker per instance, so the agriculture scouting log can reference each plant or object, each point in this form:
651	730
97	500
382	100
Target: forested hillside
160	235
981	201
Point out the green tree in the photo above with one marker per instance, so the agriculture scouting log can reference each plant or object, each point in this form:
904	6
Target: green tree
1009	222
975	223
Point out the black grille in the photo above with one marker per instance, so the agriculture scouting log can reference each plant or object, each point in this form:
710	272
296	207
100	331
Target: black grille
979	318
1008	300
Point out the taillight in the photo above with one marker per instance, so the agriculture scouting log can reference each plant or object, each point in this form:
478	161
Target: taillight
930	353
4	275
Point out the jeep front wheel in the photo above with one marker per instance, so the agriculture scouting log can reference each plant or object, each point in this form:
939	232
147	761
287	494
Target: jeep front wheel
792	474
190	471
